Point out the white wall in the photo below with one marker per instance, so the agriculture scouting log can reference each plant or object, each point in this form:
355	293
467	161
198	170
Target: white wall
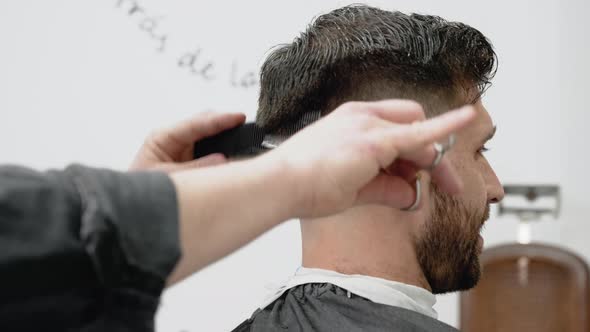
83	81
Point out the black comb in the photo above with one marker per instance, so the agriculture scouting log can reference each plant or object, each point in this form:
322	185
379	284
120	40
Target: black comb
248	139
241	141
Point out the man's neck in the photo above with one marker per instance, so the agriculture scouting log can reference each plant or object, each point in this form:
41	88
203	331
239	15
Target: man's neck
395	271
374	246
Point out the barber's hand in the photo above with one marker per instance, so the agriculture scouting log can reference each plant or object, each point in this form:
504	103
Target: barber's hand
367	153
171	149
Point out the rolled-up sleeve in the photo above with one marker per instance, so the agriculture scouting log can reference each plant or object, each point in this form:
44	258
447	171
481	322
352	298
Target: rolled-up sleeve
85	228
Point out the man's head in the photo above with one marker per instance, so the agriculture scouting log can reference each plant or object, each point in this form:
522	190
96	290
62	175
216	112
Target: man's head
363	53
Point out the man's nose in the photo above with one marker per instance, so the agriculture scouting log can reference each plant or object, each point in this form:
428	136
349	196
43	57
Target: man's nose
495	189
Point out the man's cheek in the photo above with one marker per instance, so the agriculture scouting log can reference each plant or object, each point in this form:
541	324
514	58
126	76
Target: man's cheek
474	194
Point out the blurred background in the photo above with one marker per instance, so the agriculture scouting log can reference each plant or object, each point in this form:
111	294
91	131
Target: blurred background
85	81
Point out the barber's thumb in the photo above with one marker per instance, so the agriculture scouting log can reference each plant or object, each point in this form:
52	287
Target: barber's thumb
389	190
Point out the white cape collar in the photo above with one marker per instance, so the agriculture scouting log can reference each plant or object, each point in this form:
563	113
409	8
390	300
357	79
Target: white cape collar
377	290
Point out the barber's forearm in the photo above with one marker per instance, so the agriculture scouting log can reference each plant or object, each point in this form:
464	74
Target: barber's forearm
65	232
224	207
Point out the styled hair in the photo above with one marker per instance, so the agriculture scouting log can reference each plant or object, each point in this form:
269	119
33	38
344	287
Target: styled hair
364	53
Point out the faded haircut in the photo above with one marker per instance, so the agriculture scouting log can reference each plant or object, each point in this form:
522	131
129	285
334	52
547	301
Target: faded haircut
364	53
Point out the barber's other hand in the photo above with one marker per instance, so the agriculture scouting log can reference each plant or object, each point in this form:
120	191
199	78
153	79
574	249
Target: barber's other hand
171	149
366	153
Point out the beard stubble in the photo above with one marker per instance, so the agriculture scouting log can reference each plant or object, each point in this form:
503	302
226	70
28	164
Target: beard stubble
448	250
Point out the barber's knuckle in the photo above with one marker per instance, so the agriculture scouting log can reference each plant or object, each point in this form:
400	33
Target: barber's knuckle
352	106
420	114
414	104
362	123
154	135
371	146
414	126
420	134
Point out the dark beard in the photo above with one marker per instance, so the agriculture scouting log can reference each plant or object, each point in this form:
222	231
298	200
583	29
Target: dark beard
447	251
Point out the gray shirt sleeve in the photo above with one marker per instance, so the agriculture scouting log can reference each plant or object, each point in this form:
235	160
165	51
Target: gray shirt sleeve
85	228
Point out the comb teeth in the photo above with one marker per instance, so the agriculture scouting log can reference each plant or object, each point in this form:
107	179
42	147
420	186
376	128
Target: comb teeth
305	120
247	139
241	141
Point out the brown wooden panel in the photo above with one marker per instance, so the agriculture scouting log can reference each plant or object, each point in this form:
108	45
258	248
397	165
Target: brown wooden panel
530	287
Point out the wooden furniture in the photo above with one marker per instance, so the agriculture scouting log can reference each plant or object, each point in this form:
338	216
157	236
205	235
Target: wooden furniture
532	287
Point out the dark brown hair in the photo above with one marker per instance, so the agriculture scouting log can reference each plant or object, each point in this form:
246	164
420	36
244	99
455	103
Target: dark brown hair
365	53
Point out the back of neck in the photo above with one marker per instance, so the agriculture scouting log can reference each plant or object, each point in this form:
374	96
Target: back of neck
362	243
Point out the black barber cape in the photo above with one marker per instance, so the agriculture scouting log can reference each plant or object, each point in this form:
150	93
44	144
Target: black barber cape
84	249
323	307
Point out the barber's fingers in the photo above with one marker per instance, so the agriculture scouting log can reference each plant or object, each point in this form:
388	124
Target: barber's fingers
417	146
414	143
404	169
396	110
446	178
444	174
387	190
207	161
409	139
176	139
